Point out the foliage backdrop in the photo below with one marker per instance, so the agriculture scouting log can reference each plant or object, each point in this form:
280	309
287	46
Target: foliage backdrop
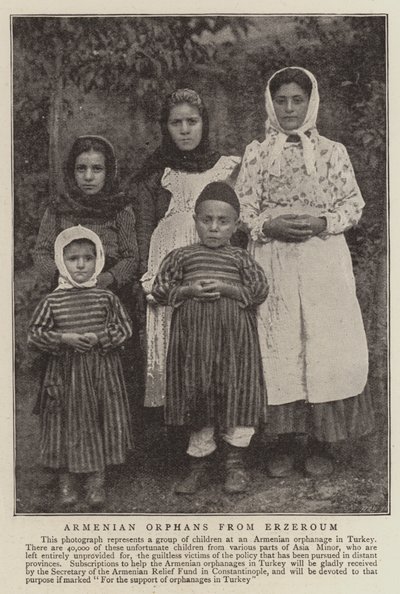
108	75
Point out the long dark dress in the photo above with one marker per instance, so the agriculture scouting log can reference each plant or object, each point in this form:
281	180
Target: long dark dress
214	370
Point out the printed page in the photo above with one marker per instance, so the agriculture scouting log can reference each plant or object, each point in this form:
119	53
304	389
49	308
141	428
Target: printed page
298	532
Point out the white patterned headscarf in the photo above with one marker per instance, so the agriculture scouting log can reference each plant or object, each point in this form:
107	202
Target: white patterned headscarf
67	236
279	136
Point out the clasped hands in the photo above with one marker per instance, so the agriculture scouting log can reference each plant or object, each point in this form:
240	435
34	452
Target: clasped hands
80	342
292	227
208	290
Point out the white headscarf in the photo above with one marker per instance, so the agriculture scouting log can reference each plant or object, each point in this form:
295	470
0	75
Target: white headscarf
281	135
65	280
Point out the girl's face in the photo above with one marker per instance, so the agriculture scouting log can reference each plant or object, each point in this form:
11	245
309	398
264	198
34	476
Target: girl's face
291	105
185	126
216	222
90	172
80	260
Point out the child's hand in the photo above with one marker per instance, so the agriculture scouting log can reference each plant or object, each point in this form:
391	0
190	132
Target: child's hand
79	342
202	290
288	227
224	289
92	337
292	227
316	224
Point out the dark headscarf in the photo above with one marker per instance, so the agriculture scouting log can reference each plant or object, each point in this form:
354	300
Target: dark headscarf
200	159
101	206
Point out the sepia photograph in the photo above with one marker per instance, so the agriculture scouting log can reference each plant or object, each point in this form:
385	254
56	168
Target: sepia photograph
200	271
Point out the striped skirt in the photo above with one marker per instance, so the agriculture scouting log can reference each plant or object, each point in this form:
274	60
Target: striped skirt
325	421
84	414
214	369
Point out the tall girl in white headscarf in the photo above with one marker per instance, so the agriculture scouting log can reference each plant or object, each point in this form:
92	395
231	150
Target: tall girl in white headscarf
84	409
298	196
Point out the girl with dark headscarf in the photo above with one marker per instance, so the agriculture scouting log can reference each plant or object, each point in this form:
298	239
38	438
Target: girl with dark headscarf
169	184
92	198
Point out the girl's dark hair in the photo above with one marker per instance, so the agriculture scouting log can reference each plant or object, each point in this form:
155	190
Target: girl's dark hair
177	98
182	96
290	75
81	241
87	144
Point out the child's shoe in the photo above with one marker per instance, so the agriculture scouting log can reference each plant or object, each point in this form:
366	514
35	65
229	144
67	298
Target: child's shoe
95	492
280	466
283	456
319	461
236	479
318	466
198	476
68	492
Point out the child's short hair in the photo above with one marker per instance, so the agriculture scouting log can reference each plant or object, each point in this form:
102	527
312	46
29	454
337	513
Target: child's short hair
218	191
81	241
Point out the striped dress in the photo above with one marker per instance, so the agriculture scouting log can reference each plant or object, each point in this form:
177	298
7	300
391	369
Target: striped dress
214	369
84	408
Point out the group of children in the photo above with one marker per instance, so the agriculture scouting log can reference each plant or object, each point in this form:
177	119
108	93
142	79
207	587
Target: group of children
214	371
270	336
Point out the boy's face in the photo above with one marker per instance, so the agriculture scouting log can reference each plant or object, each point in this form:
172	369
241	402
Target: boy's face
80	261
216	222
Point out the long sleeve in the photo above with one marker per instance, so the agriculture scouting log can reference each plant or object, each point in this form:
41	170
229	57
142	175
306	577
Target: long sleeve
146	223
150	206
254	287
348	202
168	279
43	253
118	326
41	333
249	190
125	270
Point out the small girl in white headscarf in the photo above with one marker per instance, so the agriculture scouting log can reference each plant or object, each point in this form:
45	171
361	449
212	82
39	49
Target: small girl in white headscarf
298	196
84	409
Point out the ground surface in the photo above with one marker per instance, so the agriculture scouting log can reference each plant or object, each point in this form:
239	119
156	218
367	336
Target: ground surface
145	485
